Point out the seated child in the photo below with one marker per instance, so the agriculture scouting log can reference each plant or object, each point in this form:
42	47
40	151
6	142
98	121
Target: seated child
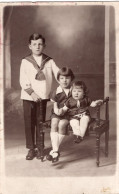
77	108
59	121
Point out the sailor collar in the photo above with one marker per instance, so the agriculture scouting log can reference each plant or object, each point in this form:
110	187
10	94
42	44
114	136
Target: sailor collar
60	90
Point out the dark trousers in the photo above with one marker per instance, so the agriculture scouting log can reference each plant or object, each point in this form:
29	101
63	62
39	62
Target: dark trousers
31	120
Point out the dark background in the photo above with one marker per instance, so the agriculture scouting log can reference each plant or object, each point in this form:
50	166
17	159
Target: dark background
74	38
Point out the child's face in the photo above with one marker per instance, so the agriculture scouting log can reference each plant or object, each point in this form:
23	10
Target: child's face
77	93
36	47
64	81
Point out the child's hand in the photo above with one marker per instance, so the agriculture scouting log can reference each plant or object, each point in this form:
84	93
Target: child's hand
58	112
61	112
35	97
99	102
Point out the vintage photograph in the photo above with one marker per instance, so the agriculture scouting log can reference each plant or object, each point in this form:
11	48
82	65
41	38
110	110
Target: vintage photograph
59	63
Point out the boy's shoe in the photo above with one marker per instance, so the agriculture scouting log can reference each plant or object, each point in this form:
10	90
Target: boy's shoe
78	139
38	154
49	157
31	154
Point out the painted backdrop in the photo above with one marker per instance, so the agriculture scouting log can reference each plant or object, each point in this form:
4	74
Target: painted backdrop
74	38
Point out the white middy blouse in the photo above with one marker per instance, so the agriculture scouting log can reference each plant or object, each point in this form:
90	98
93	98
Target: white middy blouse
27	79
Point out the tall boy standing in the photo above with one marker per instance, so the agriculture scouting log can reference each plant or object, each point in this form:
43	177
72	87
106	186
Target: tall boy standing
36	74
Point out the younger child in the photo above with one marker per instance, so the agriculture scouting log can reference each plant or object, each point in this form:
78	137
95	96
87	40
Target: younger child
59	120
77	107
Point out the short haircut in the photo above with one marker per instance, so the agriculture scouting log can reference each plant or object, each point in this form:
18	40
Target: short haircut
80	84
65	71
36	36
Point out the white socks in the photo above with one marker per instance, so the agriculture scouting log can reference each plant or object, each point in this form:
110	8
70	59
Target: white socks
56	140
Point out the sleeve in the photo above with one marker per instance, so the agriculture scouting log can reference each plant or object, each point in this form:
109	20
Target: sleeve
53	97
67	103
66	106
96	102
55	69
24	81
89	101
93	104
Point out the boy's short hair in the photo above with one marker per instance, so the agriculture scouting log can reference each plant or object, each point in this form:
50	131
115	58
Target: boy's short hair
80	84
36	36
65	71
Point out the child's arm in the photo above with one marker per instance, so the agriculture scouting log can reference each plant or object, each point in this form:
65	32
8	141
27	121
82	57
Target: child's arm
35	97
53	98
65	109
62	111
25	83
55	69
96	102
58	111
24	80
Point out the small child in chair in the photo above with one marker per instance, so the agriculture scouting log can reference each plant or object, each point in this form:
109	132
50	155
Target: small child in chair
77	109
59	120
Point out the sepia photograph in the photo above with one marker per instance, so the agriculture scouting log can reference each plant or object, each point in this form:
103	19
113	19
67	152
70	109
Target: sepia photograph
59	98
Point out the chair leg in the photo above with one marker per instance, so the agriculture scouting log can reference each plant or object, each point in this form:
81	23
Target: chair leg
106	143
97	149
41	141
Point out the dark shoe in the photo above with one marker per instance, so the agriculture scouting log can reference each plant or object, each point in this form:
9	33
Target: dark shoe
55	159
38	154
78	139
31	154
49	157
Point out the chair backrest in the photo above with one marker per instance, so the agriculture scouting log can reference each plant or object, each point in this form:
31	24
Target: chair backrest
107	108
105	101
97	120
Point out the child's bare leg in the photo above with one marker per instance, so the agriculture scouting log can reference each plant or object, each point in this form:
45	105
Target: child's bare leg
54	124
62	129
75	124
84	124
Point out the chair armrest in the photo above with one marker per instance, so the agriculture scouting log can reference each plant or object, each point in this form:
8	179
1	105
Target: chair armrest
106	100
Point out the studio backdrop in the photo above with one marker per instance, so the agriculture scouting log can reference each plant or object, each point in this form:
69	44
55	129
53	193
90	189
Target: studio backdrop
75	37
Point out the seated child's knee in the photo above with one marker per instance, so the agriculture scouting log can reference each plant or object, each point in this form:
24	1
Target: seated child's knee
63	123
54	127
63	131
85	118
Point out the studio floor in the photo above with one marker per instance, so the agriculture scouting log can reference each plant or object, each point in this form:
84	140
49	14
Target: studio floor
76	160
